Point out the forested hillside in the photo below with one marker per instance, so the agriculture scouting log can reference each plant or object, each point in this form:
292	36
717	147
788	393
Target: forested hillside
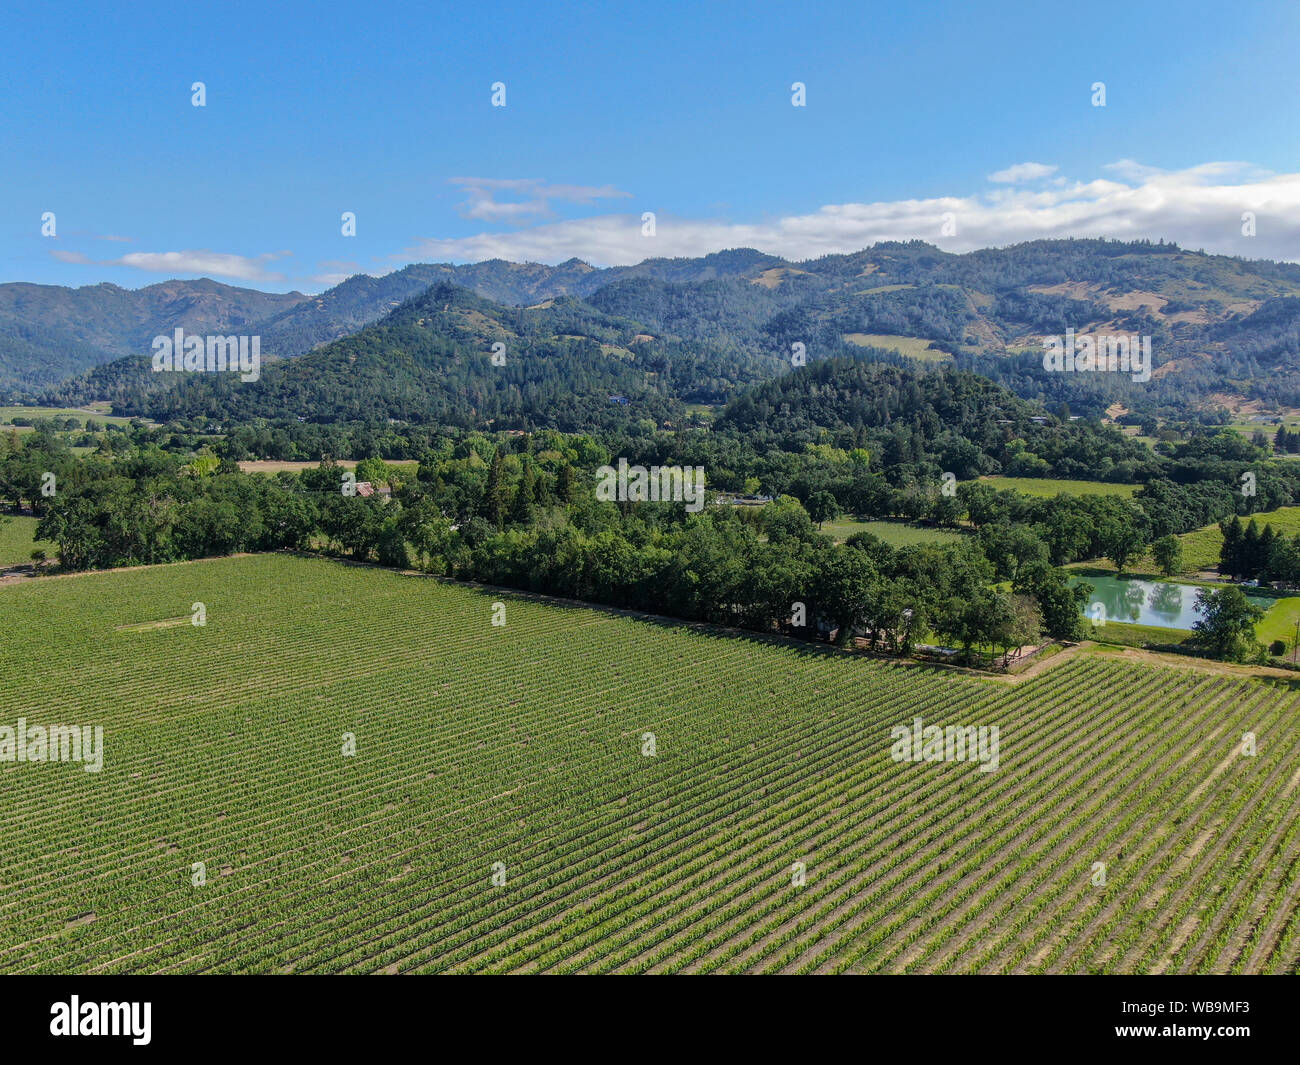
1217	325
49	333
950	421
433	361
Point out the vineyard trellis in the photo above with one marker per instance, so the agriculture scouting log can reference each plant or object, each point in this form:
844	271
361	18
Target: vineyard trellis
521	745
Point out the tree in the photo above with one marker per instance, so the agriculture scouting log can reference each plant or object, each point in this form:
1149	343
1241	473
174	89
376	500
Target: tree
982	502
290	519
1021	624
1066	532
913	502
1284	565
778	577
493	507
1010	547
373	470
390	545
564	484
424	526
897	611
355	523
475	531
1168	553
975	620
1248	560
521	510
823	506
946	510
786	519
1060	604
843	587
71	522
204	463
1230	553
1226	626
1264	554
1122	539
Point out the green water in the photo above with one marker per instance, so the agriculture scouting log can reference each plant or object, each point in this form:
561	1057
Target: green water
1171	606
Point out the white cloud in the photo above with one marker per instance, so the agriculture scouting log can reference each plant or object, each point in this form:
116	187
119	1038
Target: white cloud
1201	174
99	236
217	264
481	197
1023	172
1131	170
334	271
1199	207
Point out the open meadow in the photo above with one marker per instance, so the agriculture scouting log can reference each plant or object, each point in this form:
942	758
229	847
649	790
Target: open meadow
1049	488
894	533
912	347
97	413
18	540
1202	546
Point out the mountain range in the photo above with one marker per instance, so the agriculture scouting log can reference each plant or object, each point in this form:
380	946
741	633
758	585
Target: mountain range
671	332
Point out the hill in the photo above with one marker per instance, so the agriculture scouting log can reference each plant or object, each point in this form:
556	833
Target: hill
563	363
1217	325
362	299
910	416
49	333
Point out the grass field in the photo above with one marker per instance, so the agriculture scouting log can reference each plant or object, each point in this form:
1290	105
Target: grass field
1128	634
1280	622
1048	488
516	751
912	347
894	533
7	414
1201	547
1249	428
18	540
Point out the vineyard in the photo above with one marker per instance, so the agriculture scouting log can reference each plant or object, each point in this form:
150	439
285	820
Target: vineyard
578	790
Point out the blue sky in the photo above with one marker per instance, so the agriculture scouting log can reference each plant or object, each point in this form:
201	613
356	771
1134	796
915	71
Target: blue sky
613	110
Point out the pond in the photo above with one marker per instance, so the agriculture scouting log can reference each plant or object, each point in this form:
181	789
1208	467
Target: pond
1171	606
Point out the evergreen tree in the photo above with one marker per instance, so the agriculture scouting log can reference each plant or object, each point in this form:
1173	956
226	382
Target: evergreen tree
564	484
1248	563
1230	552
521	512
1264	564
493	508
